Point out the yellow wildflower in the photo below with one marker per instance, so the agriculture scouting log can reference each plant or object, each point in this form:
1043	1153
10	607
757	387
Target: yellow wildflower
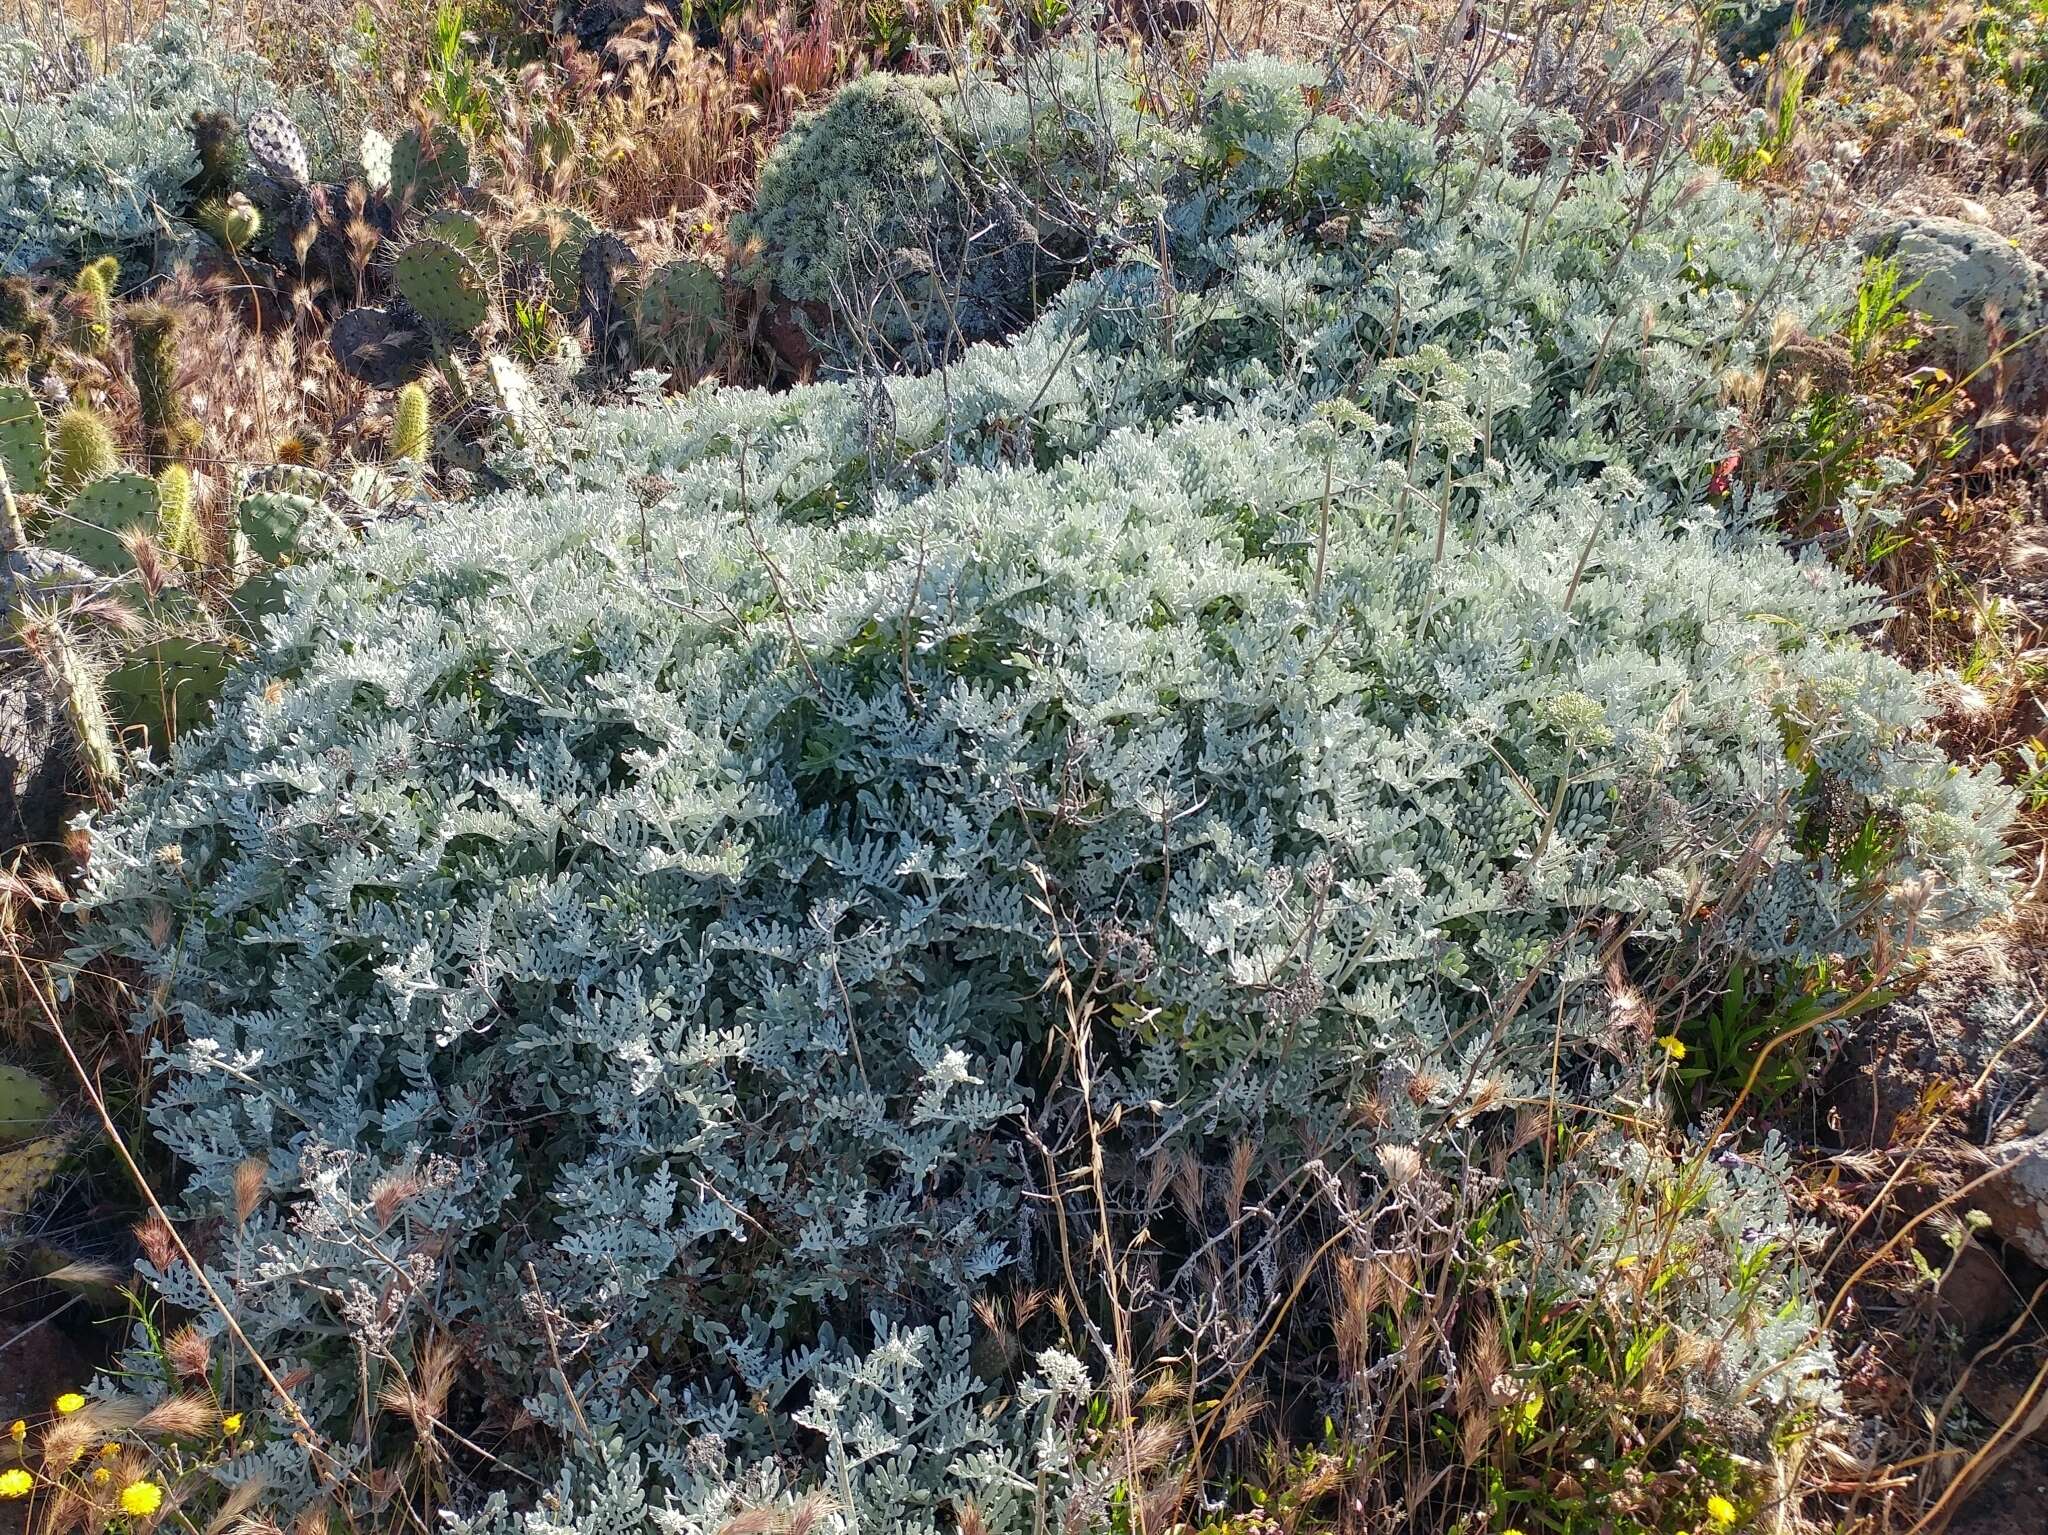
1720	1510
141	1498
101	1476
15	1483
1672	1046
17	1430
109	1450
70	1401
231	1424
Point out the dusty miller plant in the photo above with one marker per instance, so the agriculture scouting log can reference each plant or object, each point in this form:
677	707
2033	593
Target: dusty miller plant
663	929
93	160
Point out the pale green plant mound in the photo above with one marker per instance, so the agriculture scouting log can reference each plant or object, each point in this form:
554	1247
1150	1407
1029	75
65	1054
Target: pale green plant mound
622	914
98	160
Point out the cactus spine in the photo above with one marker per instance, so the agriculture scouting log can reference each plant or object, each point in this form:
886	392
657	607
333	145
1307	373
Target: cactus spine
169	431
213	142
78	691
409	426
13	536
176	518
90	307
81	450
26	329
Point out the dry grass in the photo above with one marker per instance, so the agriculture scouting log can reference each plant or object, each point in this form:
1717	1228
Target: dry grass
1212	1383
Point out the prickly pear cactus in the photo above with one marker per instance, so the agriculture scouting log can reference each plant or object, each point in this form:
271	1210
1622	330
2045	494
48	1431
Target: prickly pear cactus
427	166
381	348
680	317
271	519
517	400
25	1105
463	230
276	149
25	1171
92	523
553	244
294	479
167	684
444	285
24	440
374	155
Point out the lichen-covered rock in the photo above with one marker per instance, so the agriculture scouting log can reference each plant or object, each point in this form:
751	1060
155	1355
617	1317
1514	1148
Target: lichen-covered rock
1942	1067
1979	291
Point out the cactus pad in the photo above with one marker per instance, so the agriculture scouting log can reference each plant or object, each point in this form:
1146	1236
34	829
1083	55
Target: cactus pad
380	348
273	522
374	155
463	230
25	1105
24	441
92	525
167	685
276	149
553	244
680	316
444	285
25	1171
427	165
518	402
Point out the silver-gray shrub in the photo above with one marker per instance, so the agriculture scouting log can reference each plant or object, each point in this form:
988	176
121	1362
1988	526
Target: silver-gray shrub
94	159
621	913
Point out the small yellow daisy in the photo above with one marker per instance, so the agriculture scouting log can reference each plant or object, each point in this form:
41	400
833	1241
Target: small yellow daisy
1720	1510
141	1498
70	1401
1672	1046
231	1424
18	1430
101	1476
109	1450
15	1483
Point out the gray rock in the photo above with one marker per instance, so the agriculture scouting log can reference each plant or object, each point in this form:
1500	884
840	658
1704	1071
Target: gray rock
2017	1199
1972	280
1950	1068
